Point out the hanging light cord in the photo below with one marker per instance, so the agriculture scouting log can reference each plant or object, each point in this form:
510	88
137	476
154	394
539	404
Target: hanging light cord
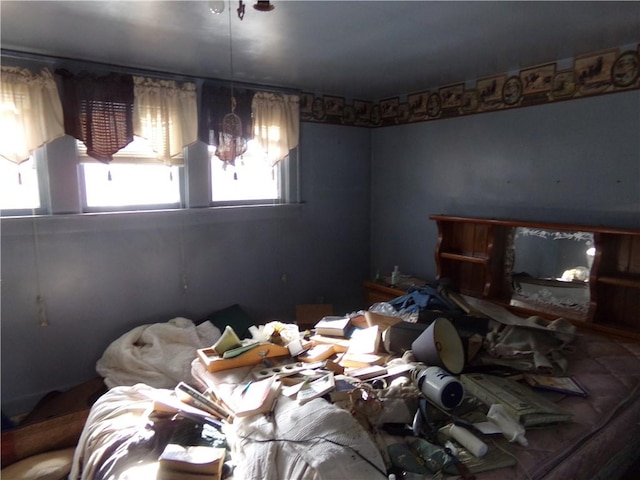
231	59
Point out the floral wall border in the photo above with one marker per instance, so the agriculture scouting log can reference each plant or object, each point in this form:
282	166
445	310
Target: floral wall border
603	72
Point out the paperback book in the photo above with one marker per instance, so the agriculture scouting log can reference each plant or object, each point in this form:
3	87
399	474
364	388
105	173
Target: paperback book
203	460
257	397
317	353
334	326
316	388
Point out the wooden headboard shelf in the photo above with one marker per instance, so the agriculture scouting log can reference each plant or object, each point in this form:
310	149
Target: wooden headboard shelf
473	252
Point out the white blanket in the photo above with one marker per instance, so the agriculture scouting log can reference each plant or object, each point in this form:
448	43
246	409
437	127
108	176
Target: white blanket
116	415
158	355
314	441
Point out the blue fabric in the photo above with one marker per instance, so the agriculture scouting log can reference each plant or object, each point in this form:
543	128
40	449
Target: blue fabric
423	298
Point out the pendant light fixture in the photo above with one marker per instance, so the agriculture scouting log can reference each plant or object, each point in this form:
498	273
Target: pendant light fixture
260	5
231	142
264	6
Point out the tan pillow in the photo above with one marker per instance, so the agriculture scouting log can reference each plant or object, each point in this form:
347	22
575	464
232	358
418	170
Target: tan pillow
54	465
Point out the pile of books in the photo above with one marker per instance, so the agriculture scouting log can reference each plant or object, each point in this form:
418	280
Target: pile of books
355	348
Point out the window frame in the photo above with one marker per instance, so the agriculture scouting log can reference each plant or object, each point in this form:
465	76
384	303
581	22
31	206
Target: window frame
130	207
123	159
287	180
241	202
41	164
59	178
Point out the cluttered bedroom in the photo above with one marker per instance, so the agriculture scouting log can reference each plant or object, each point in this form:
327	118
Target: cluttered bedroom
394	240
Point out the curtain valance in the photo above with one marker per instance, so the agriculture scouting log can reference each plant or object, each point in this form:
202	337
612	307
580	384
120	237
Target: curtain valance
30	112
276	123
106	112
98	111
166	114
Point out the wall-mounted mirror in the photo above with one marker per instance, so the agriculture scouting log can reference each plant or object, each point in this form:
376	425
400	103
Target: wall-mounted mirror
550	271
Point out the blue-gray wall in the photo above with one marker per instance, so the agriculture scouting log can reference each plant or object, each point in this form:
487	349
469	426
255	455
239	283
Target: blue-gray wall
367	196
572	162
101	275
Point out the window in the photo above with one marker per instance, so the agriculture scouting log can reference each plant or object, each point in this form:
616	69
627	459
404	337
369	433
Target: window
129	180
30	116
251	179
19	185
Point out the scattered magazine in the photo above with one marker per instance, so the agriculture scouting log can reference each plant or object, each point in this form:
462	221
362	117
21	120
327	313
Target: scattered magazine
520	401
566	385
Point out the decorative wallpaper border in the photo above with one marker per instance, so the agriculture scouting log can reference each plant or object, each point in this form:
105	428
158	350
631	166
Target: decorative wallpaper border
598	73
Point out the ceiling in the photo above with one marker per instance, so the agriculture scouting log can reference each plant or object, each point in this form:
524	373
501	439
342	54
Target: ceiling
356	49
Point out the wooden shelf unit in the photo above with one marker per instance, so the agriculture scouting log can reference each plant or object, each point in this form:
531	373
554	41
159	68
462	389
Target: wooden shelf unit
617	279
471	253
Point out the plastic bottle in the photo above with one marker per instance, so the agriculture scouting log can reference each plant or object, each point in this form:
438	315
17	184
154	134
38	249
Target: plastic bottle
511	429
395	276
468	440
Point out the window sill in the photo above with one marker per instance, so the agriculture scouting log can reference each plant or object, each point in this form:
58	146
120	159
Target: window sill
143	219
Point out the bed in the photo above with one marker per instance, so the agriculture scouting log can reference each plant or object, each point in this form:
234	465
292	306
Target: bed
602	441
320	440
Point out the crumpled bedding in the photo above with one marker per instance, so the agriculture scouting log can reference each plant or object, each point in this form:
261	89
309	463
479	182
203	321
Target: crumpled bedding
532	349
314	441
158	355
530	344
115	417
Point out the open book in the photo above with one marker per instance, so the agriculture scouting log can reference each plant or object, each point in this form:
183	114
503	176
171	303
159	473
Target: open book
317	388
257	397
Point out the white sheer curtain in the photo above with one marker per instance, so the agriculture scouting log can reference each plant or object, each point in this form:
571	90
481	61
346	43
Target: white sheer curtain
166	114
30	112
276	123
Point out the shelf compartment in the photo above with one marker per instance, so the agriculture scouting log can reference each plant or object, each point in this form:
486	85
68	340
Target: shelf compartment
465	258
620	255
629	281
469	278
618	305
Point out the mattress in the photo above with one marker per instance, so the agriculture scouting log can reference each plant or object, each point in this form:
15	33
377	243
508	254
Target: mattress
603	438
